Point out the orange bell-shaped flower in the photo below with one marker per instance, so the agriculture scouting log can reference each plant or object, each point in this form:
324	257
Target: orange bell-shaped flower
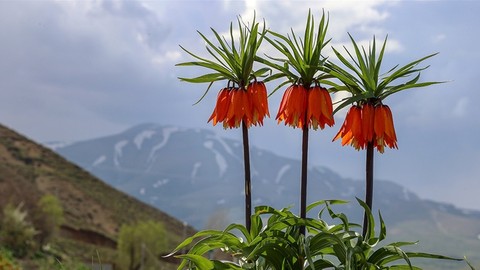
239	109
235	105
367	123
221	108
319	108
351	131
384	128
292	108
257	93
368	118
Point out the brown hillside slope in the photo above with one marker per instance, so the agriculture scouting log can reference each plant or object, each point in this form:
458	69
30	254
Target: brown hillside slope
93	210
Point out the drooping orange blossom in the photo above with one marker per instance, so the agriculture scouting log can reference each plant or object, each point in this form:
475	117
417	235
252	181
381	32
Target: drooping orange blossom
235	104
258	95
301	106
319	108
367	123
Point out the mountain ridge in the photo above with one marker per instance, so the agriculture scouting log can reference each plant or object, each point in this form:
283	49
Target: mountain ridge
197	176
225	155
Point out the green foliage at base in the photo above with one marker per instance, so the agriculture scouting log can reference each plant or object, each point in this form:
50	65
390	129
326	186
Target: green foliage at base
274	242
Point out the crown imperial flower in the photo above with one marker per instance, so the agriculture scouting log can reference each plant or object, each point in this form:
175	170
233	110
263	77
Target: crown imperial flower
302	106
367	123
292	108
235	104
319	108
257	92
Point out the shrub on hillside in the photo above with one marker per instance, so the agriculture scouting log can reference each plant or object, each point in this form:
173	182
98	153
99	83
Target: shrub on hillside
48	217
141	244
16	232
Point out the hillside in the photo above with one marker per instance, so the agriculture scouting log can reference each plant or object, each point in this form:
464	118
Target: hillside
197	176
93	210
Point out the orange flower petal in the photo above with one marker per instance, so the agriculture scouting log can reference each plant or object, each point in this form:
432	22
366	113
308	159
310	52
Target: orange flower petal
379	121
390	136
257	94
367	121
357	126
292	108
221	108
351	130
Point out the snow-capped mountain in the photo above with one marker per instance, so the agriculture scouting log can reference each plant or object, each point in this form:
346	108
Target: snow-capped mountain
192	173
197	176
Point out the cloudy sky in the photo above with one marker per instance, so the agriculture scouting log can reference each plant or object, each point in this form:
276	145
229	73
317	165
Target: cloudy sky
74	70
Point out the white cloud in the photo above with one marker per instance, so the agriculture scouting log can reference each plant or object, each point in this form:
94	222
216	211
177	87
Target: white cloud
75	69
170	57
439	38
460	108
345	16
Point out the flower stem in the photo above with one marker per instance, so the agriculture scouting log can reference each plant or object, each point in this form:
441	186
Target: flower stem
369	184
248	189
303	187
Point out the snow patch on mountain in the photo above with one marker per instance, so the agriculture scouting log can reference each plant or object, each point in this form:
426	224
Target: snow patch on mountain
99	160
281	172
223	143
119	151
160	183
221	161
144	135
166	132
57	145
319	169
329	185
196	166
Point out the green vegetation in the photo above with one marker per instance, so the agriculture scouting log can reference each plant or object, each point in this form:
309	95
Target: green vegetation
16	232
71	219
28	240
25	237
275	241
139	245
7	260
23	232
48	218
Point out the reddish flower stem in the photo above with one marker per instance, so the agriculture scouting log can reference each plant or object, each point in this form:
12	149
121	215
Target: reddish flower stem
369	183
248	189
303	185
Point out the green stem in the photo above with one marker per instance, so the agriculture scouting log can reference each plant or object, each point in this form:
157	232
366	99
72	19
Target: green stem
369	184
248	189
304	176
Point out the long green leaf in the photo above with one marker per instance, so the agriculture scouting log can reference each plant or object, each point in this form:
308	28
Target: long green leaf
201	262
361	75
